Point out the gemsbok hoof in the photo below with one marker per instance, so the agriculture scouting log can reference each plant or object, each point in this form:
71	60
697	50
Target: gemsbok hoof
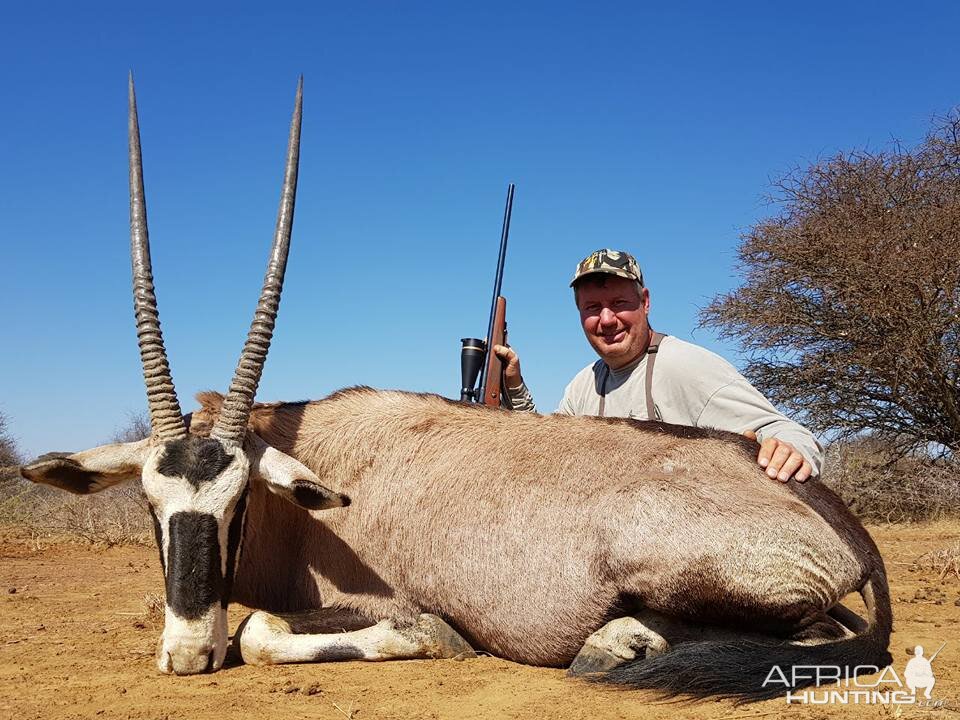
615	643
442	640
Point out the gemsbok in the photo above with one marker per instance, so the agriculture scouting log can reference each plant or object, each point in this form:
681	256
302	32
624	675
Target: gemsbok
386	524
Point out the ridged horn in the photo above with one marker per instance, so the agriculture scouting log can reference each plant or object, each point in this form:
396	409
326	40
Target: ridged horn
231	426
166	418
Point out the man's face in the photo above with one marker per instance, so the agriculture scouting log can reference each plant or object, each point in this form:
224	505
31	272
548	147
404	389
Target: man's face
614	319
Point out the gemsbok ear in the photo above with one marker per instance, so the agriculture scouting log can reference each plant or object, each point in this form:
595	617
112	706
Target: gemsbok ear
89	471
288	477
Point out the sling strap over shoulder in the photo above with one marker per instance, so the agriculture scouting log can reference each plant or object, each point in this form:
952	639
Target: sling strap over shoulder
651	353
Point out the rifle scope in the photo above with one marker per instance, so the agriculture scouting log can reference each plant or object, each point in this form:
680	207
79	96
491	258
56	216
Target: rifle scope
472	355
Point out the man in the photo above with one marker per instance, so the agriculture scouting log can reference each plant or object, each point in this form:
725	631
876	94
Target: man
644	375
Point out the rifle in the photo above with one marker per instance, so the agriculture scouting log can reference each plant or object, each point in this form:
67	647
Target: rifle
934	656
476	356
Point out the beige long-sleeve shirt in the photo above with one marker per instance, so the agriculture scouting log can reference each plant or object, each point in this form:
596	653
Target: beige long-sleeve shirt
690	386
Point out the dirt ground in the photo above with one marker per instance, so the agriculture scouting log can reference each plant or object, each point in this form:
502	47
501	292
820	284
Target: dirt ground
76	642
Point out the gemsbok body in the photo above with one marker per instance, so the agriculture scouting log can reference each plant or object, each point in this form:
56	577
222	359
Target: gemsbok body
408	525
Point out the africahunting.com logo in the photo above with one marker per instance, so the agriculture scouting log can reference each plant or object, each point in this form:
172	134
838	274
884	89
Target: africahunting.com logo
842	685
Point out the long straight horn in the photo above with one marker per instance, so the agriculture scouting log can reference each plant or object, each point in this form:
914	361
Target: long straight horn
165	416
231	426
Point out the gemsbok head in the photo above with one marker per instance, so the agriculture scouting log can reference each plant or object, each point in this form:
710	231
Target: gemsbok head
196	485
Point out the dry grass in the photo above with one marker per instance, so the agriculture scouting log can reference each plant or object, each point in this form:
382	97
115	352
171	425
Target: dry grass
153	613
879	489
943	561
117	516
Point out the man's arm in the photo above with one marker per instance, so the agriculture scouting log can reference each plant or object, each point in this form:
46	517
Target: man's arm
517	392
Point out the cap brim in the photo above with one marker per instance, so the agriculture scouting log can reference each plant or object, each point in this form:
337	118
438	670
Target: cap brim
605	271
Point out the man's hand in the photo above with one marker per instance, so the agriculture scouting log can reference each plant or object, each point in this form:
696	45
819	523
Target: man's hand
781	459
511	365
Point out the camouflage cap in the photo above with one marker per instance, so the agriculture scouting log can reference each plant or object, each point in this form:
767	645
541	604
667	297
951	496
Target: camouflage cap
613	262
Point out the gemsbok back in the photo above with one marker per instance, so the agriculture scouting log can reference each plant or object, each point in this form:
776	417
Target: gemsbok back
644	554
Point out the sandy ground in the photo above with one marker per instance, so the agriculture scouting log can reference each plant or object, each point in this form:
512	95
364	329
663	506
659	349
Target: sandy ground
76	642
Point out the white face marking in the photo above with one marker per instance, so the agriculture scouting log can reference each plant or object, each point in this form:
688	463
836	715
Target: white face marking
169	495
195	645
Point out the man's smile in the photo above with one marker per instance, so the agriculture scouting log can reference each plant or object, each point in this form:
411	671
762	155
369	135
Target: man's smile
612	338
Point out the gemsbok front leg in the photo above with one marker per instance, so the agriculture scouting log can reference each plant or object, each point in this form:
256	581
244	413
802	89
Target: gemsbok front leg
267	639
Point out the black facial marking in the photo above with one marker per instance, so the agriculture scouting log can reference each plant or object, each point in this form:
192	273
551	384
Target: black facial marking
194	580
196	459
308	495
158	535
234	538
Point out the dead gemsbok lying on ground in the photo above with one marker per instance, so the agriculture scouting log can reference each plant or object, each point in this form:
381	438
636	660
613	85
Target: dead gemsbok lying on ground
645	554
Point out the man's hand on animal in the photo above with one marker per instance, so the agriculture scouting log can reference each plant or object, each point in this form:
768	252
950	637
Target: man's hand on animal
781	459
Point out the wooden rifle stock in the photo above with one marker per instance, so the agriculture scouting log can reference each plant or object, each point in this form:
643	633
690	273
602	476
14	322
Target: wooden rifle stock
493	394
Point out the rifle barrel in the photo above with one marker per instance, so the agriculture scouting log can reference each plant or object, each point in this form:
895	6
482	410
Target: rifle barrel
504	234
498	281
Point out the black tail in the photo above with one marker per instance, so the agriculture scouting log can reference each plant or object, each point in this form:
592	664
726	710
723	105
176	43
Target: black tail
739	670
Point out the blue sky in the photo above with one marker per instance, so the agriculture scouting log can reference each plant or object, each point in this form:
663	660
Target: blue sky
624	125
